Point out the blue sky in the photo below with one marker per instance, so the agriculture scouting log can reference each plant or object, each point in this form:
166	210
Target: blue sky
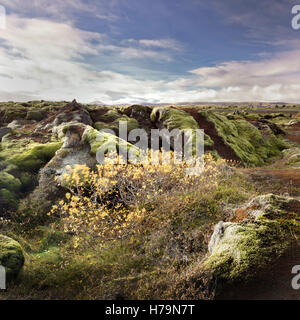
158	51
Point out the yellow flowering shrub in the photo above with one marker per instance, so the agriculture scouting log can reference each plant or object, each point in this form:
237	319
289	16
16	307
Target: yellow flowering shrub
112	201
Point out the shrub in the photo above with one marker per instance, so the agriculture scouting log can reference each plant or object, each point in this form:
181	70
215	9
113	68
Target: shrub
116	200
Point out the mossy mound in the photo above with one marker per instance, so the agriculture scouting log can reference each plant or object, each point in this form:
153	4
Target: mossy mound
106	142
251	145
14	112
35	115
11	257
114	126
27	155
239	251
171	118
20	161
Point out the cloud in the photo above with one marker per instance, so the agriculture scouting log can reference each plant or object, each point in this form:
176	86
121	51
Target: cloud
60	10
42	59
163	43
282	68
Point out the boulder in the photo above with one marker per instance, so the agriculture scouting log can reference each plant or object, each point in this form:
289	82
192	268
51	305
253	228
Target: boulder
238	251
11	257
71	113
15	124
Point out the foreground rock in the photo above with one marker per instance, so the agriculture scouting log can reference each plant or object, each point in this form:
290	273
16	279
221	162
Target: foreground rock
239	251
11	257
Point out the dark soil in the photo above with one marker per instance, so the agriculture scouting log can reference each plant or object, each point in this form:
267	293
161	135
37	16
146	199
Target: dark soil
219	145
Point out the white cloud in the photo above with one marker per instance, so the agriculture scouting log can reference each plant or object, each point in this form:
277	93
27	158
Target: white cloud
59	10
163	43
41	59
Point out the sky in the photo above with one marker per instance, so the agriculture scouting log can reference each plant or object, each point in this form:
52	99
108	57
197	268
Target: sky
142	51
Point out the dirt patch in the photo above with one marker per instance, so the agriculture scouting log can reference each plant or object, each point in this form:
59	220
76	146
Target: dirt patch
219	145
293	133
277	181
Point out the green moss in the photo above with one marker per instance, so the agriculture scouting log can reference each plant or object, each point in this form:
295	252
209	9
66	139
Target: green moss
11	256
20	161
171	118
9	198
35	156
35	115
131	124
106	141
14	113
102	125
9	182
247	141
246	249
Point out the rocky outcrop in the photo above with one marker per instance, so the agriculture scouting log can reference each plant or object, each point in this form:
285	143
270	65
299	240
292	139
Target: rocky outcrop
71	113
238	251
11	257
80	147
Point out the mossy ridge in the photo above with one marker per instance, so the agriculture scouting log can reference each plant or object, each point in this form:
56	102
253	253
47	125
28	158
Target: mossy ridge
177	119
11	256
246	140
131	124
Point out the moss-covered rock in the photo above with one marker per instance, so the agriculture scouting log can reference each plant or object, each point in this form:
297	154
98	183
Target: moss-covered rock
27	155
11	256
115	125
106	142
14	112
171	118
251	145
20	161
35	115
9	182
243	250
238	251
